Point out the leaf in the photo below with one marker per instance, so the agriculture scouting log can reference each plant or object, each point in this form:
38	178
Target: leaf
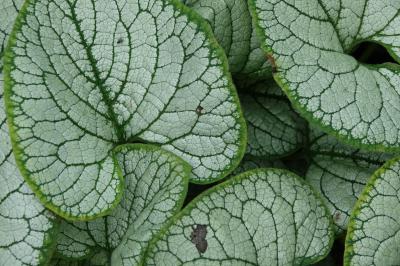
261	217
339	173
156	185
101	258
274	129
84	77
8	12
27	230
311	43
61	262
250	162
373	236
233	28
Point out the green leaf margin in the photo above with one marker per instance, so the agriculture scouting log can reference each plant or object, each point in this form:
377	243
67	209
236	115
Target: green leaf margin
186	168
296	104
362	199
48	245
236	179
8	84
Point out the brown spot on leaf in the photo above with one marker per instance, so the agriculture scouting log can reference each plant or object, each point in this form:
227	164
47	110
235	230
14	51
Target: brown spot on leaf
120	41
271	60
199	110
336	216
198	237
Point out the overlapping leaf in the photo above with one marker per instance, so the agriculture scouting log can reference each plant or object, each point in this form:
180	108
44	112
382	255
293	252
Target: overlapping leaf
156	184
274	129
250	163
27	230
101	258
311	42
339	173
61	262
233	28
262	217
85	76
373	236
8	12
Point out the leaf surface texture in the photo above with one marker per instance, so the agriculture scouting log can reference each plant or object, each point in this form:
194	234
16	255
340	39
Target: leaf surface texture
83	77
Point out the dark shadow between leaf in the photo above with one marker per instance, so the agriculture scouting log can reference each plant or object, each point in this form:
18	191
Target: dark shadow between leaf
372	53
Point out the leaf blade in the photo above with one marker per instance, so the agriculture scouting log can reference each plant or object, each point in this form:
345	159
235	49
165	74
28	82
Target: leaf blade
274	129
8	11
28	232
233	28
156	185
373	228
28	229
106	98
325	83
339	173
236	230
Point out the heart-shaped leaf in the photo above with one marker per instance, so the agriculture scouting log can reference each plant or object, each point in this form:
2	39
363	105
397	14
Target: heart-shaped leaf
261	217
233	28
27	230
311	43
274	129
339	173
373	236
155	187
85	76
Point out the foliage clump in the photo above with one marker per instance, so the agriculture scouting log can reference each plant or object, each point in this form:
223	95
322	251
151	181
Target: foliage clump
207	132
